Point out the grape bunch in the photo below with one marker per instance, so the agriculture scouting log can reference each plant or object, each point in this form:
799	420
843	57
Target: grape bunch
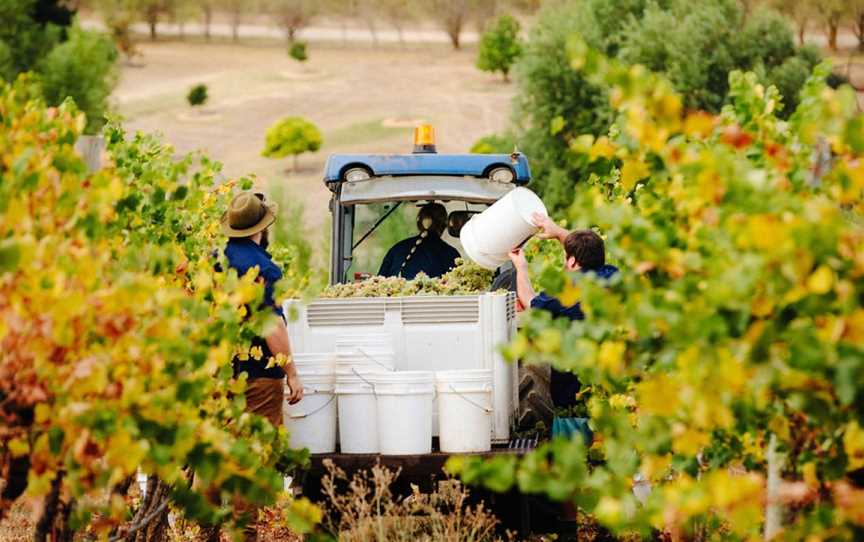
465	279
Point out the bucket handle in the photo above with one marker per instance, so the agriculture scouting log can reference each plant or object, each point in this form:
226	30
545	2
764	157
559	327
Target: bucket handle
487	410
375	361
358	375
316	411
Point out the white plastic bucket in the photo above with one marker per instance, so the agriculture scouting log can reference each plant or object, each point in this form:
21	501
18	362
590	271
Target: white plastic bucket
404	409
490	235
464	410
364	362
311	423
358	417
315	363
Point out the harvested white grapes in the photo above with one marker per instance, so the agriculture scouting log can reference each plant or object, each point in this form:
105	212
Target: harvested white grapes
465	279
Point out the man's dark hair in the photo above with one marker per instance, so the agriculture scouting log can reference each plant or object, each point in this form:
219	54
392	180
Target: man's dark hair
587	247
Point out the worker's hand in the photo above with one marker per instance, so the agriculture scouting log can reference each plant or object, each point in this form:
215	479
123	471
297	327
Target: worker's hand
517	256
295	388
520	307
548	228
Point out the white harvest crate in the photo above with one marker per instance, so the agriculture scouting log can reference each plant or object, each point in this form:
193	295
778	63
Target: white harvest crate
430	333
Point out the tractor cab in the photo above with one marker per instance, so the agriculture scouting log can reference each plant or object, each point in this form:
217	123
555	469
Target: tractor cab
376	195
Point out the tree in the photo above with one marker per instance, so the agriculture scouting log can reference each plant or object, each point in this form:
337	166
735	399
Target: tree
800	11
235	9
500	46
832	13
152	10
293	15
71	62
291	136
398	13
207	9
550	92
857	11
24	39
452	16
81	68
696	44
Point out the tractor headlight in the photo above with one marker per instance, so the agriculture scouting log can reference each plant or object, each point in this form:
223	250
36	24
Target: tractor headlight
356	174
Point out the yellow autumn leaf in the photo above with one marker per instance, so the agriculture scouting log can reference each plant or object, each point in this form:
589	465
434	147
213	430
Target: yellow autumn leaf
853	444
658	395
821	281
570	295
632	172
699	124
18	447
688	440
602	148
611	357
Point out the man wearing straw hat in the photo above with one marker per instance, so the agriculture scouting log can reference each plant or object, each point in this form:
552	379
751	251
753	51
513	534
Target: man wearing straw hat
245	223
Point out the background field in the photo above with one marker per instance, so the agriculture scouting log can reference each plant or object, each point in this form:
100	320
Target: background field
363	100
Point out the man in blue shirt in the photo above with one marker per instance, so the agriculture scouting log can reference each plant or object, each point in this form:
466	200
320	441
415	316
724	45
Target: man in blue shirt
584	251
245	223
427	252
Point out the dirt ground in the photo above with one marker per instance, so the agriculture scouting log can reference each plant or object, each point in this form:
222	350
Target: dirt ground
362	99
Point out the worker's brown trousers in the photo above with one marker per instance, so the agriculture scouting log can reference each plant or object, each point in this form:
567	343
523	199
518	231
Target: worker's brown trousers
264	396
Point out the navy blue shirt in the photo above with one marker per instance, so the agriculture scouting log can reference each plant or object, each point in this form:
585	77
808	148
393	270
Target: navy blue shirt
433	257
243	254
565	385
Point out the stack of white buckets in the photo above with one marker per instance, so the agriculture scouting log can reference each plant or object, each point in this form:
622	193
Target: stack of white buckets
355	393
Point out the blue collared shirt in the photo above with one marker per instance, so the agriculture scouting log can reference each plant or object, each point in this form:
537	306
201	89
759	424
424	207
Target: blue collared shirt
243	254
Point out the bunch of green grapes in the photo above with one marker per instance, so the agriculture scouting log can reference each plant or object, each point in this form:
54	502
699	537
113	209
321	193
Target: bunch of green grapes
465	279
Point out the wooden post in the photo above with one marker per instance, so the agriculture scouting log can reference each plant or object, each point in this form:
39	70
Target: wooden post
773	506
90	148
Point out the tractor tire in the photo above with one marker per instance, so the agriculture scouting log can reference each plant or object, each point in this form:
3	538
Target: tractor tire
535	402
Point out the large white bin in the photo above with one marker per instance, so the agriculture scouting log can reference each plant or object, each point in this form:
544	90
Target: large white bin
489	236
404	410
311	423
428	333
464	410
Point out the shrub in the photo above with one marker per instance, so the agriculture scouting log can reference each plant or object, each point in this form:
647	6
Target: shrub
298	51
695	44
494	144
197	95
500	46
550	92
81	68
291	136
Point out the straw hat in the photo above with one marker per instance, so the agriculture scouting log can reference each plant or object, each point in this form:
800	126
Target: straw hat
247	215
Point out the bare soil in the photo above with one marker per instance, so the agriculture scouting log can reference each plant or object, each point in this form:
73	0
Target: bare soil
363	99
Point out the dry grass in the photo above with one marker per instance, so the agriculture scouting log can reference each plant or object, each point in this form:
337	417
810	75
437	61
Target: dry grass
363	509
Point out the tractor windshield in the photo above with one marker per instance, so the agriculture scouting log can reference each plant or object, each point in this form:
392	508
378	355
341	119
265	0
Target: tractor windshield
379	226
